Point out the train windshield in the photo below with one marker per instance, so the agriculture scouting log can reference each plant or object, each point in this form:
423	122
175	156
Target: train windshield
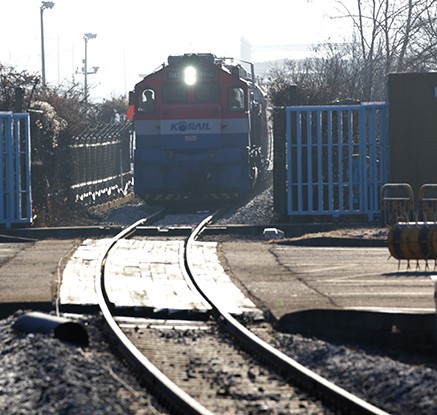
207	92
175	93
236	99
147	100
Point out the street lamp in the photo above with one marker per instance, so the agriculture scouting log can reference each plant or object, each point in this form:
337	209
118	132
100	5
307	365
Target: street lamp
45	5
94	69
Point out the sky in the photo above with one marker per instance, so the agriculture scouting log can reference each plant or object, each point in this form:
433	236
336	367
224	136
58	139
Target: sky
134	37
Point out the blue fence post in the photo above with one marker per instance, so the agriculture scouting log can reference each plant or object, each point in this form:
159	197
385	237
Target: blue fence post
23	162
4	136
9	174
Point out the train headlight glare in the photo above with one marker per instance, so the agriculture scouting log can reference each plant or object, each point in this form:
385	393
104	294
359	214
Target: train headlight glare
190	75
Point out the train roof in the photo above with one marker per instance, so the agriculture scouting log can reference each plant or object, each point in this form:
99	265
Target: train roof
193	58
225	63
210	59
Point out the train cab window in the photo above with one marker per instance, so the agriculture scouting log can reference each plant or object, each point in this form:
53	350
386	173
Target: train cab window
174	93
207	91
236	99
147	101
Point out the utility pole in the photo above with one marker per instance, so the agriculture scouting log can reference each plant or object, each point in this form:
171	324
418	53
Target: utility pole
45	5
85	72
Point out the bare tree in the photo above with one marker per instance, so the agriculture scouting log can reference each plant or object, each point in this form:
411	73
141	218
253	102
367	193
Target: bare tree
333	75
393	35
387	36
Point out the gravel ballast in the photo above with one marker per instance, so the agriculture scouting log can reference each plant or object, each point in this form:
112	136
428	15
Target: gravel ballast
40	374
390	384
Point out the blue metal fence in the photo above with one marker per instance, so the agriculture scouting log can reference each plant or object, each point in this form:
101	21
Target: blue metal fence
15	182
336	159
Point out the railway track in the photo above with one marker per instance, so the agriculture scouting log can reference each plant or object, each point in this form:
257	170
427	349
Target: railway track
196	366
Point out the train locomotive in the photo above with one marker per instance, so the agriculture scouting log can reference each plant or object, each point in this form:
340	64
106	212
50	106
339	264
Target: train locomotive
201	131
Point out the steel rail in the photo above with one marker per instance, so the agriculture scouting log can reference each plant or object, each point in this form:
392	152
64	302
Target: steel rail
330	393
180	401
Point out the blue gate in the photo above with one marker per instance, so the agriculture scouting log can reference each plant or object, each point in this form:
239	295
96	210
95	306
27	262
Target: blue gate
336	159
15	183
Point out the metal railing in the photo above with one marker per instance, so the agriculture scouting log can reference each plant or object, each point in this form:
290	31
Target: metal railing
102	163
398	204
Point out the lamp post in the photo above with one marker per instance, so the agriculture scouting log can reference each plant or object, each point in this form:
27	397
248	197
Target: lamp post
87	37
45	5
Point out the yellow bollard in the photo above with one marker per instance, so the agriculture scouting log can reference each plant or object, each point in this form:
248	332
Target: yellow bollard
413	241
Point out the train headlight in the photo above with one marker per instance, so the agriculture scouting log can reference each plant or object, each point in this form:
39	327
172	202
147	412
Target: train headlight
190	75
